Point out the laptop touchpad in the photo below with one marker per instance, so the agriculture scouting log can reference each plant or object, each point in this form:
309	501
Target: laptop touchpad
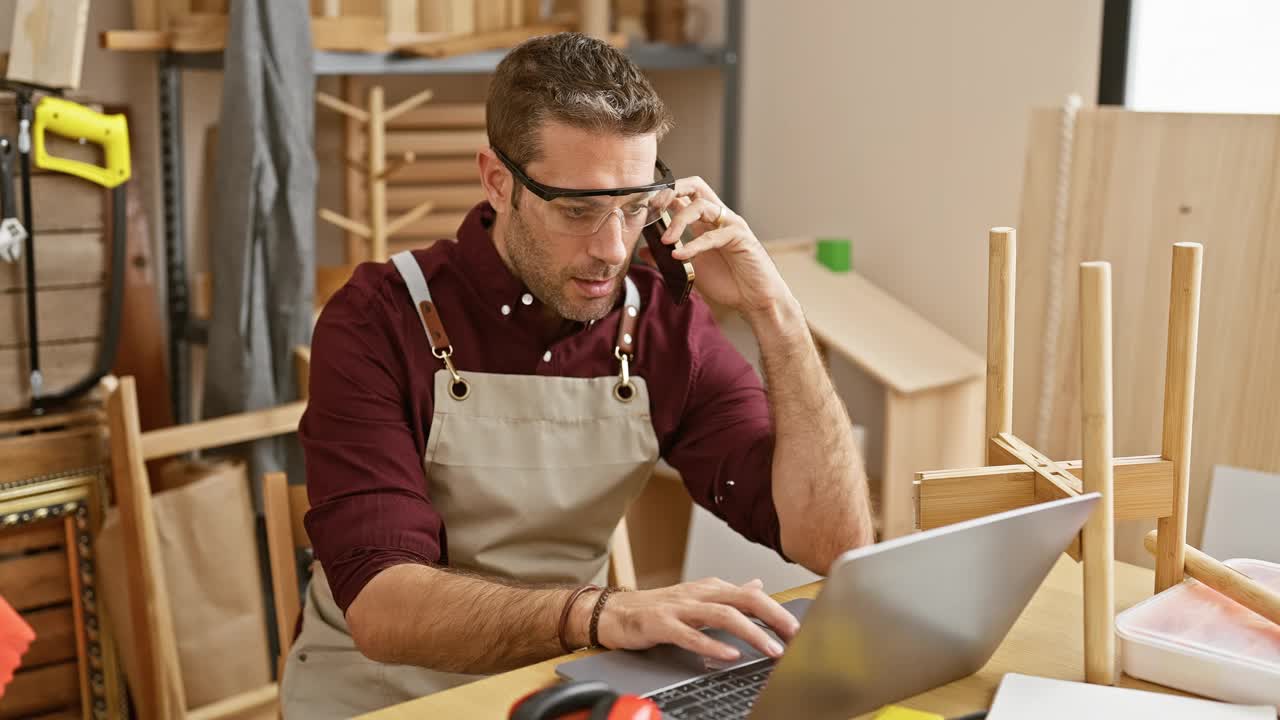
646	671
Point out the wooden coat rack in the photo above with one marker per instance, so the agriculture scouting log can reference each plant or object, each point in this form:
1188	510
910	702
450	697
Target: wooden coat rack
377	227
1146	487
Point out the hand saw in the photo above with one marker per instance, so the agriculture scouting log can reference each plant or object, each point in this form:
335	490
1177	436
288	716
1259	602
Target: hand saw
77	122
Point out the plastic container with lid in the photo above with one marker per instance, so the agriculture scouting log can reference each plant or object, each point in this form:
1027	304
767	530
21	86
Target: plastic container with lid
1192	638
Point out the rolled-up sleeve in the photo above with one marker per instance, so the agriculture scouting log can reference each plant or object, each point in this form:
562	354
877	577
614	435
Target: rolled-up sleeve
365	480
723	444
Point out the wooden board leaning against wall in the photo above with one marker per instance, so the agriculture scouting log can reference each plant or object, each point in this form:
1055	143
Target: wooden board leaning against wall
1140	182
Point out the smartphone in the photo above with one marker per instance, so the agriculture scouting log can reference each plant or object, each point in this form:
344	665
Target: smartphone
677	274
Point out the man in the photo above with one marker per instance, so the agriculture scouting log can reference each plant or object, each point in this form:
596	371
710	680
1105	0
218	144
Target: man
483	412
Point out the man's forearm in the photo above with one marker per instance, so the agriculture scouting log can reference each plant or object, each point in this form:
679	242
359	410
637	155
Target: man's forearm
443	620
819	483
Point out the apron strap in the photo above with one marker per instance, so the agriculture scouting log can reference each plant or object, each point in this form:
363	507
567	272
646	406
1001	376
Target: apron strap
626	347
431	323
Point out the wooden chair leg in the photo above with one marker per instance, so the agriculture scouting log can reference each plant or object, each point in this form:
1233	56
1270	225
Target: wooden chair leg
1179	392
1001	270
622	567
1096	417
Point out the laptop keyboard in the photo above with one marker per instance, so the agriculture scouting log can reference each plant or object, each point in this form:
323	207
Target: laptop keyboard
726	695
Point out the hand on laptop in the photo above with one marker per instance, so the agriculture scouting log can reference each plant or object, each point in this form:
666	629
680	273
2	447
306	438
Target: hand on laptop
639	620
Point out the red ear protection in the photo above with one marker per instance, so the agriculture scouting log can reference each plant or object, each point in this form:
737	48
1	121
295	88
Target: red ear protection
589	700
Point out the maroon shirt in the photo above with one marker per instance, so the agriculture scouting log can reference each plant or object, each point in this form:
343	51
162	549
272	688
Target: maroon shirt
372	380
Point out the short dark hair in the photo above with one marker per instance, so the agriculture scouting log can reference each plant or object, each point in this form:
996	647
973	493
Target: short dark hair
573	79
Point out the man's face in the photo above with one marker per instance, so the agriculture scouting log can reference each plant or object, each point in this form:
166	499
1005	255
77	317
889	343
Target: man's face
578	276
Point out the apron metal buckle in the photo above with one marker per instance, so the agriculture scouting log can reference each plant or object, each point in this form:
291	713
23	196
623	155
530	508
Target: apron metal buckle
624	390
459	388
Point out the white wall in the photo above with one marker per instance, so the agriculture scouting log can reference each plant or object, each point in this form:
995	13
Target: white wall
902	124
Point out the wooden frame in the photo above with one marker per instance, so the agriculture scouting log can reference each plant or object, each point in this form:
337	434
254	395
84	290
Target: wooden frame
74	498
1136	487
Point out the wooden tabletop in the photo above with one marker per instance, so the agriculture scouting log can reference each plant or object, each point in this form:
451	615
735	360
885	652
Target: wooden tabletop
1046	640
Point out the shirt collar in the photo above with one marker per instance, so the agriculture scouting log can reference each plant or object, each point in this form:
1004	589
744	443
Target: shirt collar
485	271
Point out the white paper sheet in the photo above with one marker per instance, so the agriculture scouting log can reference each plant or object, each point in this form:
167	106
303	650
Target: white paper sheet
1023	696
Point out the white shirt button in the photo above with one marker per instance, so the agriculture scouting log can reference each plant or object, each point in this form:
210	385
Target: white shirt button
527	299
506	309
631	310
626	338
546	356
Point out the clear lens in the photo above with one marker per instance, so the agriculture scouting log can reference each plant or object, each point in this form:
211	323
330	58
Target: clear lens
585	215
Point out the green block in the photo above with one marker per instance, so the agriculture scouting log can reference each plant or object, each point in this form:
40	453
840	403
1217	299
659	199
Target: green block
836	254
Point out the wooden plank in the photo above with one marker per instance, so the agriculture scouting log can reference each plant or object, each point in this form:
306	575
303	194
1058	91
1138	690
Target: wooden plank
479	41
222	431
55	641
885	338
1141	182
443	197
62	259
935	428
658	525
21	423
401	17
64	314
47	45
35	536
146	15
41	690
50	452
441	116
461	16
61	364
350	33
491	15
65	203
433	16
277	510
1143	487
299	504
158	690
437	170
354	184
1052	482
424	143
29	581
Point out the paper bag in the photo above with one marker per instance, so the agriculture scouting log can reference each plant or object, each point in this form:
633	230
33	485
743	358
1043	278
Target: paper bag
208	549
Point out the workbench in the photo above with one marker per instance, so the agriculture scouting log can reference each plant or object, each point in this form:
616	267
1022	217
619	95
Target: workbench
1046	641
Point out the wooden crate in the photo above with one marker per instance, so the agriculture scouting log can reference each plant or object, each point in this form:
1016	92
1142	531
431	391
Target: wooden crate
47	525
71	241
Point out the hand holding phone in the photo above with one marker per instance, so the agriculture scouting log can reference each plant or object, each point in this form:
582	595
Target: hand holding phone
678	275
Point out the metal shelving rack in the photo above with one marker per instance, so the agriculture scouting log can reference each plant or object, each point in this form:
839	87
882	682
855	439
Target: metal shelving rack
185	330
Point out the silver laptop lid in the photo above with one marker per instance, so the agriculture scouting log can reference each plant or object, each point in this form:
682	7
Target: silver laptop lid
910	614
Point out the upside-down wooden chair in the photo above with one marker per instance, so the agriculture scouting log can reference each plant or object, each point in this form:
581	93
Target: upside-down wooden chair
157	690
1148	487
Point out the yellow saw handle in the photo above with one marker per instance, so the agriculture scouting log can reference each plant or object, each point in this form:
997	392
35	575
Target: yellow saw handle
74	121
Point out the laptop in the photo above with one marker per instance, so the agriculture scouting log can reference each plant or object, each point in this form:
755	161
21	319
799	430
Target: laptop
891	621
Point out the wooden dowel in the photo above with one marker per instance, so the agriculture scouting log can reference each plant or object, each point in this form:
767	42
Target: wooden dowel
1002	262
408	104
1179	396
411	216
1228	581
345	222
405	161
377	184
342	106
1096	417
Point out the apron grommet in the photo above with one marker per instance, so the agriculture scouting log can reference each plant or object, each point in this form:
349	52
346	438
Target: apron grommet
459	389
625	392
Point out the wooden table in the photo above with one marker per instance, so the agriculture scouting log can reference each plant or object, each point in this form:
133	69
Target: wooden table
1045	641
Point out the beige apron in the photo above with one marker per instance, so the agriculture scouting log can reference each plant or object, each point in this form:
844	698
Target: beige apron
530	473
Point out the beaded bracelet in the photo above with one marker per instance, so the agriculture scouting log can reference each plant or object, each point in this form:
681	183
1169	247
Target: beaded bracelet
594	632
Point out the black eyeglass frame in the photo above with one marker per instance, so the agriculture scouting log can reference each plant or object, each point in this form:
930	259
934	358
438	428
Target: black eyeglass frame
549	193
